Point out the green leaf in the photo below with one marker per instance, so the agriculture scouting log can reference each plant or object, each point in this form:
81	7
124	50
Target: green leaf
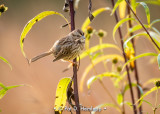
61	95
130	38
96	55
119	98
155	21
128	104
115	6
137	27
133	4
154	2
100	76
122	9
157	31
147	102
95	13
137	57
5	89
146	10
4	60
98	47
96	61
106	105
33	21
147	93
158	59
116	82
133	85
119	24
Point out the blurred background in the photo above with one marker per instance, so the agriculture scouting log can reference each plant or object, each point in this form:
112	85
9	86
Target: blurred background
43	76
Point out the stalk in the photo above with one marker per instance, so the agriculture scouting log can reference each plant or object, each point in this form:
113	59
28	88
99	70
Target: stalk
124	55
76	95
135	62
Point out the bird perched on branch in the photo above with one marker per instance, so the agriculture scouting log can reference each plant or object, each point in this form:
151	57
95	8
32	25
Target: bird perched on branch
66	48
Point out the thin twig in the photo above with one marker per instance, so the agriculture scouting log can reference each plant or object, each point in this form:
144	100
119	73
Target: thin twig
142	25
74	61
135	62
124	55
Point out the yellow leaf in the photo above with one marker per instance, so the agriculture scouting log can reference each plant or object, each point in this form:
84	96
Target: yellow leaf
122	9
61	95
33	21
96	61
95	13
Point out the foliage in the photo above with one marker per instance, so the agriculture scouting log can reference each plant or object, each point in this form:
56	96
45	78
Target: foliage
97	55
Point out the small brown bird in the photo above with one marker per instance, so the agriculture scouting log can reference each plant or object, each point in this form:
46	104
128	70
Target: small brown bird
66	48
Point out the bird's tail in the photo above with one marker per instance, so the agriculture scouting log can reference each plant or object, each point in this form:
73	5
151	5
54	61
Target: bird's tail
40	56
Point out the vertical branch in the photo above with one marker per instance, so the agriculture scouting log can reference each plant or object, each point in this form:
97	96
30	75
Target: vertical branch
74	61
135	62
124	55
142	25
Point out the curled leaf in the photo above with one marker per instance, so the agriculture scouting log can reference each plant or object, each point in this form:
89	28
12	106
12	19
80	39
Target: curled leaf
146	10
116	5
100	76
147	93
137	57
119	24
98	47
4	60
96	61
122	9
33	21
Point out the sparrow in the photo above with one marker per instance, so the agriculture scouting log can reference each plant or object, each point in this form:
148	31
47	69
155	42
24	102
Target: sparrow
66	48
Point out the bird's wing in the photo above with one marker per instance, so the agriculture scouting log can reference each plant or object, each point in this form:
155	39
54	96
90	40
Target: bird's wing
65	50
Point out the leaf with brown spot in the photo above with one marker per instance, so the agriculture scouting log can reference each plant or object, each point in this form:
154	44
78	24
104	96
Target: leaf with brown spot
33	21
61	95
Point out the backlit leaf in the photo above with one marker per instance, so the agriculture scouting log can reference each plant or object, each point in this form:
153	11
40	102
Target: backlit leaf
119	24
33	21
100	76
4	60
122	9
139	56
4	89
116	5
96	61
146	10
155	21
95	13
147	93
153	80
119	98
137	27
158	59
61	95
98	47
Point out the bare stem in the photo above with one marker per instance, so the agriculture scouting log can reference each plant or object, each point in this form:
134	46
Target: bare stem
75	60
135	62
124	55
142	25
